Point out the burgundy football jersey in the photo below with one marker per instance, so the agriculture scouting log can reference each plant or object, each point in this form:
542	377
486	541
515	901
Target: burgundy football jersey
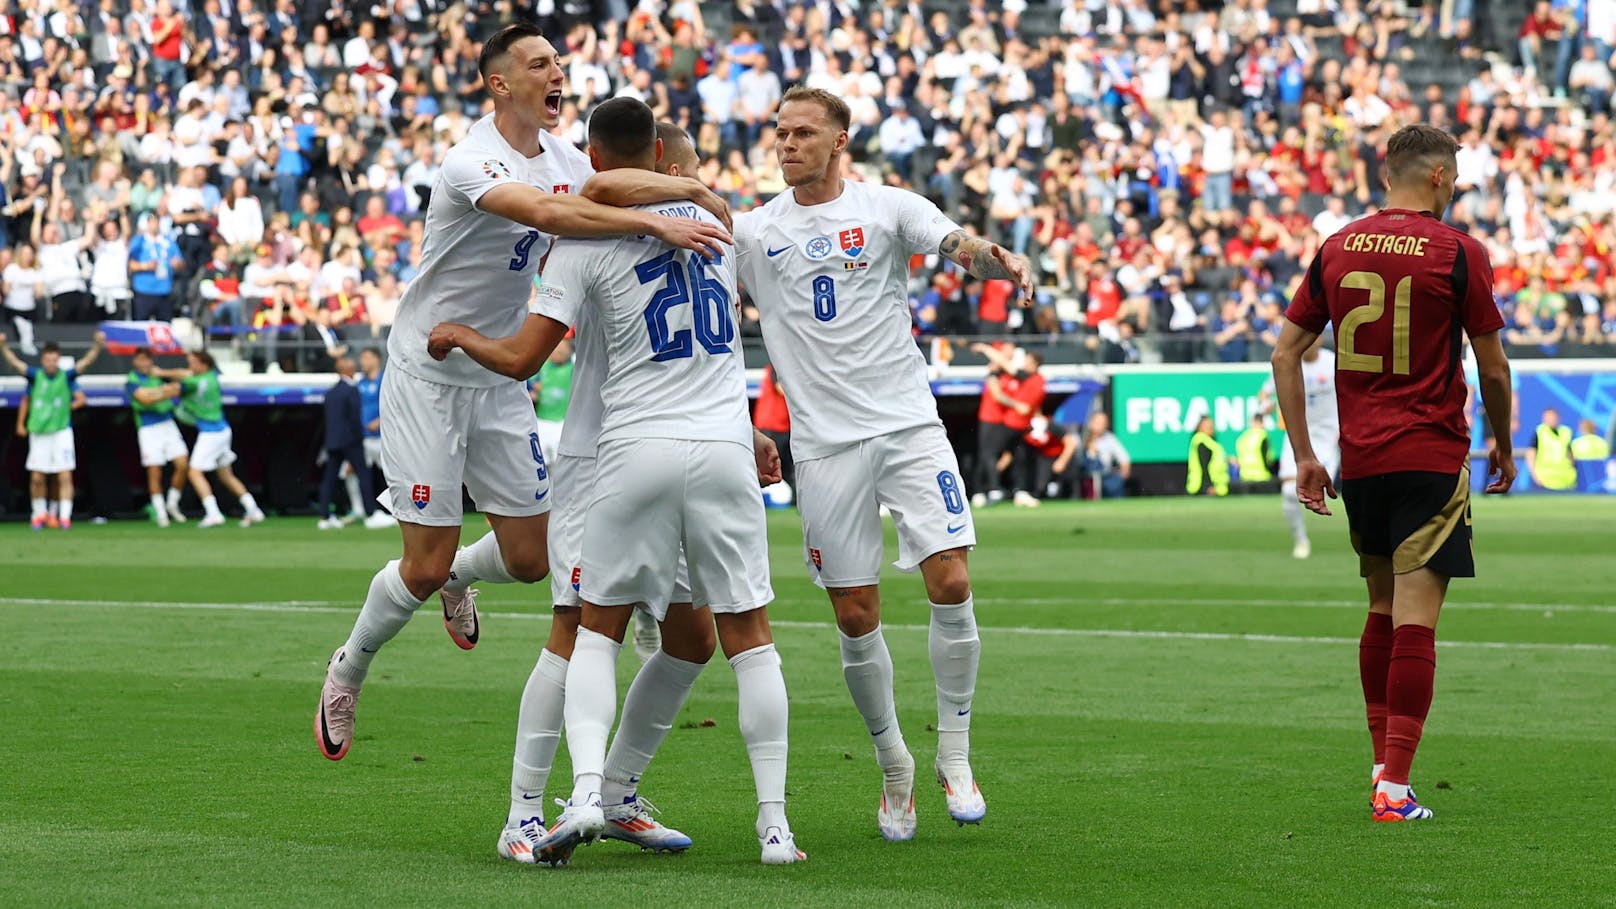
1402	290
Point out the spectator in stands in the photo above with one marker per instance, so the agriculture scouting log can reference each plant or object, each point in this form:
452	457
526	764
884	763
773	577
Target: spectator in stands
220	289
1232	332
154	260
23	287
240	219
61	270
109	274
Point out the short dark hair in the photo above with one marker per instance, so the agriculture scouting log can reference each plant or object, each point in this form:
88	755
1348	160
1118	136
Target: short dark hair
50	347
623	127
835	107
206	358
499	44
1415	145
675	139
141	352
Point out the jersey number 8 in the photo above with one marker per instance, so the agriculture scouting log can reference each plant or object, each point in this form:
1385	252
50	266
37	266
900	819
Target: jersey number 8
824	298
686	283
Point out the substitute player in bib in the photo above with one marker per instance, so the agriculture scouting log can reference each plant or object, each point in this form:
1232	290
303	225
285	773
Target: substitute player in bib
1402	290
213	450
828	264
1323	430
500	197
662	481
46	418
152	399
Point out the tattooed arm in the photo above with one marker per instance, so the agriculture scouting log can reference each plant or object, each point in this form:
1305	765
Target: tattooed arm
989	261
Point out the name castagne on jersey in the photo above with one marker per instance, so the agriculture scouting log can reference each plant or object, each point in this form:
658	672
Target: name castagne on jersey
1392	244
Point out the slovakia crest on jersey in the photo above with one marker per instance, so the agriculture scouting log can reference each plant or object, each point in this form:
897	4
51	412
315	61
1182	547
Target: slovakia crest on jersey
421	495
852	241
561	189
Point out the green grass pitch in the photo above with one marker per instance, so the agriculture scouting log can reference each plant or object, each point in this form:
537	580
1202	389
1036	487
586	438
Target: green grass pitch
1168	715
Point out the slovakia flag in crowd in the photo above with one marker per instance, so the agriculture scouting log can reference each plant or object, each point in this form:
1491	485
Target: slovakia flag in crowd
124	337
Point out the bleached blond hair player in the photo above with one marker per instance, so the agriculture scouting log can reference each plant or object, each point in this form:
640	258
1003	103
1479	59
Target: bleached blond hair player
501	197
828	265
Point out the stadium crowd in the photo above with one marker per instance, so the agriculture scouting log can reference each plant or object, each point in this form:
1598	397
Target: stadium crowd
263	167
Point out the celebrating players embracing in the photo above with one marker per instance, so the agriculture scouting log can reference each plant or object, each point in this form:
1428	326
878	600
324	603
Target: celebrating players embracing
501	196
677	466
827	264
1405	442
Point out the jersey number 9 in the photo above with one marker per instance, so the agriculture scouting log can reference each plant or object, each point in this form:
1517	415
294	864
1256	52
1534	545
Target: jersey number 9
523	247
686	283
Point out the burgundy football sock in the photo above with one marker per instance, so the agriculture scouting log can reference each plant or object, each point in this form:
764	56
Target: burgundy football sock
1408	697
1374	661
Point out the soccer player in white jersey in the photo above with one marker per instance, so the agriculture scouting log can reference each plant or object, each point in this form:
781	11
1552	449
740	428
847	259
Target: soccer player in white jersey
501	196
663	683
677	463
828	266
1323	427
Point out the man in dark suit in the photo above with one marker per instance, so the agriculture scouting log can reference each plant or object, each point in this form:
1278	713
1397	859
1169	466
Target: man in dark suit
344	441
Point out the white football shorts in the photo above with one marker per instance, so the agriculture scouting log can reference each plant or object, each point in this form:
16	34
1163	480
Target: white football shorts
914	473
212	450
437	437
160	443
1327	448
373	451
651	494
572	482
52	452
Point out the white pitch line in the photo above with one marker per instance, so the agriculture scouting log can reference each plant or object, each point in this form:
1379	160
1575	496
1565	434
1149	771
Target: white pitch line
325	607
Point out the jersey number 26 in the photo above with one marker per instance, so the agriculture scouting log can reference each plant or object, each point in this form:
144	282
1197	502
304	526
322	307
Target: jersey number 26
686	283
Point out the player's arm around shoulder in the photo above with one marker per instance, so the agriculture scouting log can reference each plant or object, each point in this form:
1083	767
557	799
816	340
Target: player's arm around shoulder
628	186
567	215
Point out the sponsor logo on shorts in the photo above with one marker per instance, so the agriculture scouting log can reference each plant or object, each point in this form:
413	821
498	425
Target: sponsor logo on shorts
421	495
813	555
577	576
956	528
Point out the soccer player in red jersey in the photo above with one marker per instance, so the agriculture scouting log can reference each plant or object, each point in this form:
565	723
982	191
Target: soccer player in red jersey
1402	289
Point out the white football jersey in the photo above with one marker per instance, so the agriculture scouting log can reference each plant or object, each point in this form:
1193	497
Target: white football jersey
1318	378
478	268
666	319
831	285
580	432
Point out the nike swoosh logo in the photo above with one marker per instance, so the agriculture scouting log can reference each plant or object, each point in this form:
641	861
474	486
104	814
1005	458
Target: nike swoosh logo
331	747
965	711
883	729
633	779
539	496
528	797
776	252
956	528
364	649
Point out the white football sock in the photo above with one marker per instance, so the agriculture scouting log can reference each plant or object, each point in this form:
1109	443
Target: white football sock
1374	773
356	505
210	505
1394	791
480	561
955	652
156	504
763	710
867	667
538	732
248	503
1293	511
654	700
388	608
39	506
65	509
590	709
173	497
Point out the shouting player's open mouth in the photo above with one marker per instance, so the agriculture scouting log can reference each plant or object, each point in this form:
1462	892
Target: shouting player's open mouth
552	104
